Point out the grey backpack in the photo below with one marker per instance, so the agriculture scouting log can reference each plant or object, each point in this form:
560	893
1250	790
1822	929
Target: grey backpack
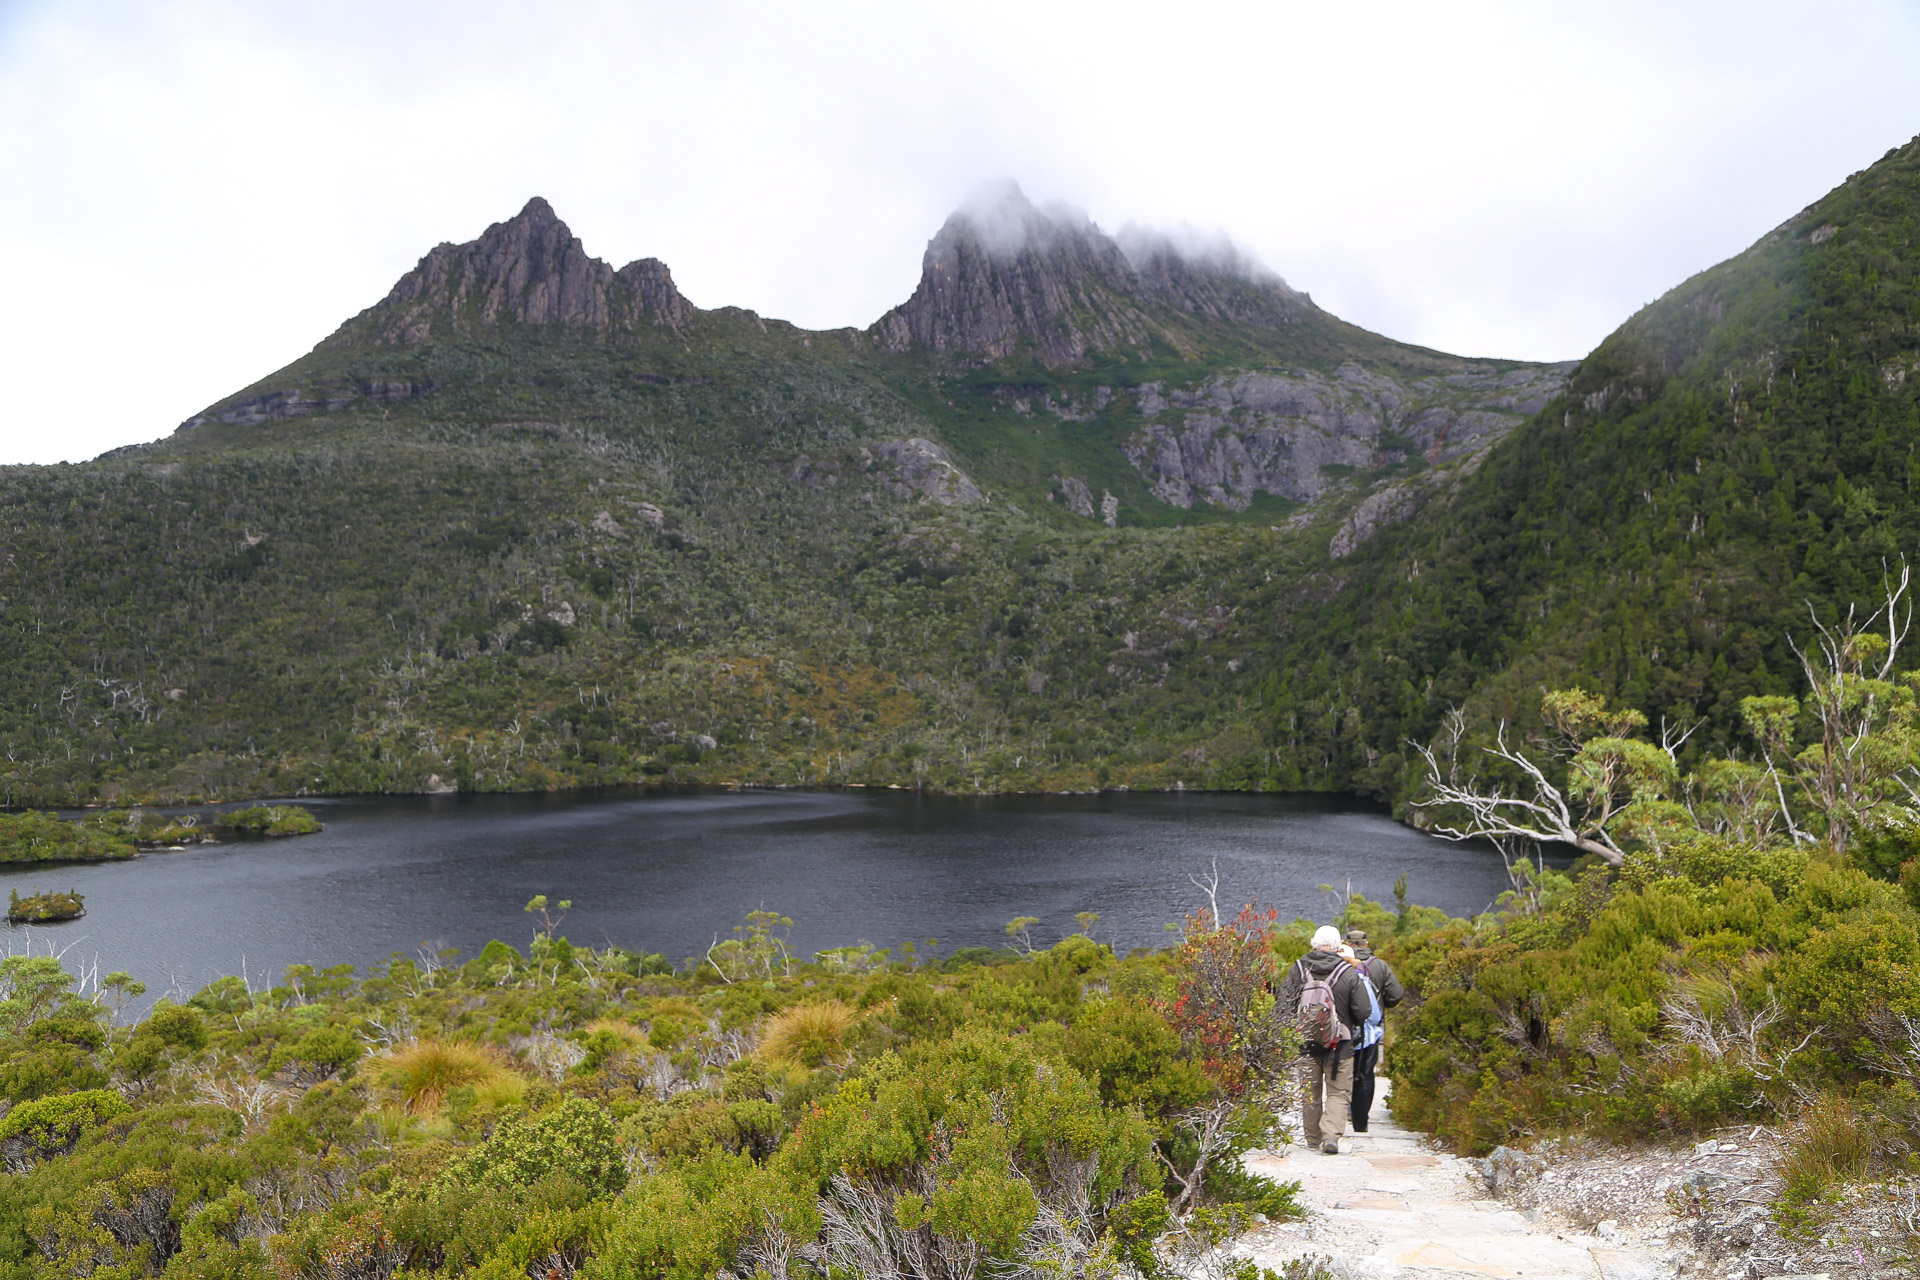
1317	1016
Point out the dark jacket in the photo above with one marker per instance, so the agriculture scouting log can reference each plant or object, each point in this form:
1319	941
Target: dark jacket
1350	998
1391	992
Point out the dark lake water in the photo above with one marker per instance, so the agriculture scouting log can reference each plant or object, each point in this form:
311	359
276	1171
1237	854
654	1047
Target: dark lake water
667	872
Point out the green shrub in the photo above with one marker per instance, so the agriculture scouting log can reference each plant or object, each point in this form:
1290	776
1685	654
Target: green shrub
48	1127
577	1139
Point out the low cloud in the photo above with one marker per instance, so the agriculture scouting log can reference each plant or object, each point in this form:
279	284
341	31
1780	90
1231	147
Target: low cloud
1208	250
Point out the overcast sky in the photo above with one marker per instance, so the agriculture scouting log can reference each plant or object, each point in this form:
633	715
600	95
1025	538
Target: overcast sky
197	192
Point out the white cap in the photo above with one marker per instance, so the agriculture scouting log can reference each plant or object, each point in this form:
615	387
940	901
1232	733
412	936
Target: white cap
1326	938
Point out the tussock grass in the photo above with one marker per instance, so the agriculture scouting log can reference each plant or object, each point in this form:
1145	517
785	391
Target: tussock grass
625	1032
1830	1147
424	1072
808	1034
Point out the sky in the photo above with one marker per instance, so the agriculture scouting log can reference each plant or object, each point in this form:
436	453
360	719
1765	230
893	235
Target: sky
194	193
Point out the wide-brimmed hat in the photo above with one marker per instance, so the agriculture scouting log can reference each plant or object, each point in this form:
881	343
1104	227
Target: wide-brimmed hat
1358	937
1326	938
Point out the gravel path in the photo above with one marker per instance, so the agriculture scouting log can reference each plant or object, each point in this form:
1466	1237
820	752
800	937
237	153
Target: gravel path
1390	1208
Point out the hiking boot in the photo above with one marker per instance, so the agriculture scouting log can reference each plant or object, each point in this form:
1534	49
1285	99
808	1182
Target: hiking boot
1330	1147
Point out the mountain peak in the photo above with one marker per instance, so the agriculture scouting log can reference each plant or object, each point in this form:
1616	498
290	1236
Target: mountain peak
1003	273
1003	222
537	209
530	269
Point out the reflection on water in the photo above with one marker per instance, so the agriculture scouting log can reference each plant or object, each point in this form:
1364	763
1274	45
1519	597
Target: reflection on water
669	872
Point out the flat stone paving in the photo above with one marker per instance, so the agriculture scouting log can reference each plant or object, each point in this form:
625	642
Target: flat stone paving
1388	1208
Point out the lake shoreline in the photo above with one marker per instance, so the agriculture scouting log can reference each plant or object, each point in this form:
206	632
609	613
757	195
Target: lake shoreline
1349	798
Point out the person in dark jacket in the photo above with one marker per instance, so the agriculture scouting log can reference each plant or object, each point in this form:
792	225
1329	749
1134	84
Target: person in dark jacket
1326	1075
1366	1058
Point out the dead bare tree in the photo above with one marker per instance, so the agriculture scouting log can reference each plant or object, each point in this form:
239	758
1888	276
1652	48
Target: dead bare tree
1211	1128
1543	814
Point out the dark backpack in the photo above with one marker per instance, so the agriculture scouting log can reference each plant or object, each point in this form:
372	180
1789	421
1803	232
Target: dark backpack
1372	966
1317	1017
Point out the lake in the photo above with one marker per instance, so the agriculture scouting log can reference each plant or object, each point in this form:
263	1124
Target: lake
668	872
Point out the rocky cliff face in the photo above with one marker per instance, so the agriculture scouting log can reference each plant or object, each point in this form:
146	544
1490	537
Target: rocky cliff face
529	269
1003	275
1230	438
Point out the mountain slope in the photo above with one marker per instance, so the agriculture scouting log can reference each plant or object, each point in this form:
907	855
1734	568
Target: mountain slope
1739	449
533	521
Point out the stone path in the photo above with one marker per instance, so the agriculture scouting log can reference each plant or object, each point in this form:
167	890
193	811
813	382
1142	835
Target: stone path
1390	1208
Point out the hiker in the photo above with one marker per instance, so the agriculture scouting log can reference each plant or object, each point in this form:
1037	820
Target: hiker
1329	999
1366	1058
1366	1042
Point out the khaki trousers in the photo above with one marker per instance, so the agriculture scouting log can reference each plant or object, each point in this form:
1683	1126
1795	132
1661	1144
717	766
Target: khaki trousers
1326	1092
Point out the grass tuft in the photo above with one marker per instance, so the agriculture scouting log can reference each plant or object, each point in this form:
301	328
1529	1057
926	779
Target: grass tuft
424	1072
808	1035
1829	1148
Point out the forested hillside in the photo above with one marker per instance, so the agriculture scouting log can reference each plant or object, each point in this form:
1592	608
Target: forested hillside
1739	450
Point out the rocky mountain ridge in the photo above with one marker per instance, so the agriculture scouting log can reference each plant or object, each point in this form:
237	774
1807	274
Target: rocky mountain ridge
1003	276
530	269
1253	390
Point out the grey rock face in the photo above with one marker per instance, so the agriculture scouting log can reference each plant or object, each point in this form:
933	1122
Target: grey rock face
274	406
1388	506
985	289
1226	440
1076	495
529	269
923	467
1004	274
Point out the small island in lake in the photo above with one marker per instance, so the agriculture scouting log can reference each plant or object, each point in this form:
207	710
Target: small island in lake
44	837
41	908
267	820
105	837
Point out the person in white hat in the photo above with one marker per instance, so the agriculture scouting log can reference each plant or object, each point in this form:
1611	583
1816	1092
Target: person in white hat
1329	1001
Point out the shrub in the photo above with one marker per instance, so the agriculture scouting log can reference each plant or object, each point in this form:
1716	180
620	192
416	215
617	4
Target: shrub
576	1139
48	1127
1126	1047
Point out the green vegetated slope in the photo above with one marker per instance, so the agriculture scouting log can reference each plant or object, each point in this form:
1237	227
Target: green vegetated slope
1742	448
529	522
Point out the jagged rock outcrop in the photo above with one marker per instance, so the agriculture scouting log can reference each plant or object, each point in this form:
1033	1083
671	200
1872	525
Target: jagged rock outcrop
1376	511
923	467
1229	439
1074	492
1003	275
529	269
